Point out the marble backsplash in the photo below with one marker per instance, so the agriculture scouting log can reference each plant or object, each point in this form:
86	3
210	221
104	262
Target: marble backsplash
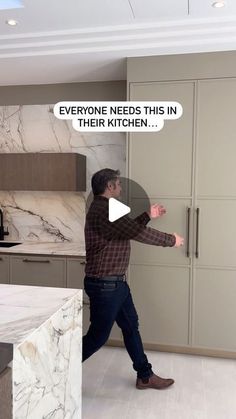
52	216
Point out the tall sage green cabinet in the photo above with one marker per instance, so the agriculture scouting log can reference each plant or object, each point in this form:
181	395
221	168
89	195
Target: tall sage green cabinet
186	297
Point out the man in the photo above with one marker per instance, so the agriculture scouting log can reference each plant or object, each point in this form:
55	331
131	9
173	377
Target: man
107	259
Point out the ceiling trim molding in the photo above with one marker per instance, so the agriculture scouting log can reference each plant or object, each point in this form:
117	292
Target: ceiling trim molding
184	23
134	37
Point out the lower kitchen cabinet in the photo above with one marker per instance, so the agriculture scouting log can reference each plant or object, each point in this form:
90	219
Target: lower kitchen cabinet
214	309
161	297
4	269
75	279
42	271
75	273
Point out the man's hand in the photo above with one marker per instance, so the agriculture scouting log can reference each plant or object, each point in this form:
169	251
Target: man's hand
179	241
156	210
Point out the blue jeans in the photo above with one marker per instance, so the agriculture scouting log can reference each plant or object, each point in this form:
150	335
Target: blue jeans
111	301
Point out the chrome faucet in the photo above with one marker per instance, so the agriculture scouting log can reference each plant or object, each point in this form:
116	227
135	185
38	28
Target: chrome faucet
3	232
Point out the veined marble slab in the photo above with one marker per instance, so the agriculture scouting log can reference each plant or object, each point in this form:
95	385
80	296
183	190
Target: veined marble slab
44	328
42	248
52	216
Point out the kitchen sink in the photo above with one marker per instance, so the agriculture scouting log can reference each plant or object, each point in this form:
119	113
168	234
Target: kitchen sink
8	244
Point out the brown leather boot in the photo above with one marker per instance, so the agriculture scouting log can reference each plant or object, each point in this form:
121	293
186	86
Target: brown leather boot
154	381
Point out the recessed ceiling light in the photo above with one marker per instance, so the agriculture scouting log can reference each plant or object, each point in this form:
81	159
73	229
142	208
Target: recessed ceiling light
218	4
11	22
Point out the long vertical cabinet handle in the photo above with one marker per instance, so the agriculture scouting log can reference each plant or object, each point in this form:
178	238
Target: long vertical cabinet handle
188	230
197	233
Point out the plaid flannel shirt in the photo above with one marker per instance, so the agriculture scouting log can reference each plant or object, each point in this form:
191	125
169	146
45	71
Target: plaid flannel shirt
108	243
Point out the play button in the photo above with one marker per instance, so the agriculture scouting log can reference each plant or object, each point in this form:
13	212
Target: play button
133	201
117	209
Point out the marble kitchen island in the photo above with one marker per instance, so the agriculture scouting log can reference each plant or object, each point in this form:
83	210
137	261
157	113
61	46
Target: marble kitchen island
40	352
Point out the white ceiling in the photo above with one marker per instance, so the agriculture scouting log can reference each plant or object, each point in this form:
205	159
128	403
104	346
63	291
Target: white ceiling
58	41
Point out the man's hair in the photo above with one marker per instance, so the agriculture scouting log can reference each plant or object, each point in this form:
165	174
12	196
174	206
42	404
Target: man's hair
101	178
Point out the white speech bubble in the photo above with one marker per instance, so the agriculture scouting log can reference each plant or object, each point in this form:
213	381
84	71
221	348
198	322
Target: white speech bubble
118	116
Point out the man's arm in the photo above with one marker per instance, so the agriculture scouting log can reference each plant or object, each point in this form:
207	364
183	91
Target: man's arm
155	237
125	228
142	218
128	229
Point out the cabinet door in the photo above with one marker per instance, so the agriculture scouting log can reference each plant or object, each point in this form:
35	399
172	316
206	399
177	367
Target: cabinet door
216	145
75	273
75	279
216	173
216	233
215	309
175	220
215	273
161	297
6	393
4	269
161	162
38	270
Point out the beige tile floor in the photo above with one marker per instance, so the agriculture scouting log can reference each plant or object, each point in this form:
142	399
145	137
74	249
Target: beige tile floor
205	388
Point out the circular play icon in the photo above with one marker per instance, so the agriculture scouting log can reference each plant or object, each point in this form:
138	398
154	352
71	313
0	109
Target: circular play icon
116	209
130	199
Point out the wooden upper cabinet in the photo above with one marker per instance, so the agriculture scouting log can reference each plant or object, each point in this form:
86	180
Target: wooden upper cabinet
42	172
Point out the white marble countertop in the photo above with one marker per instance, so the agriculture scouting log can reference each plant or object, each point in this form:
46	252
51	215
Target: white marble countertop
45	248
24	308
41	351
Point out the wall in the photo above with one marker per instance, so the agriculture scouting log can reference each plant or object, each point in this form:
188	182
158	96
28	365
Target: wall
52	93
195	66
53	216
